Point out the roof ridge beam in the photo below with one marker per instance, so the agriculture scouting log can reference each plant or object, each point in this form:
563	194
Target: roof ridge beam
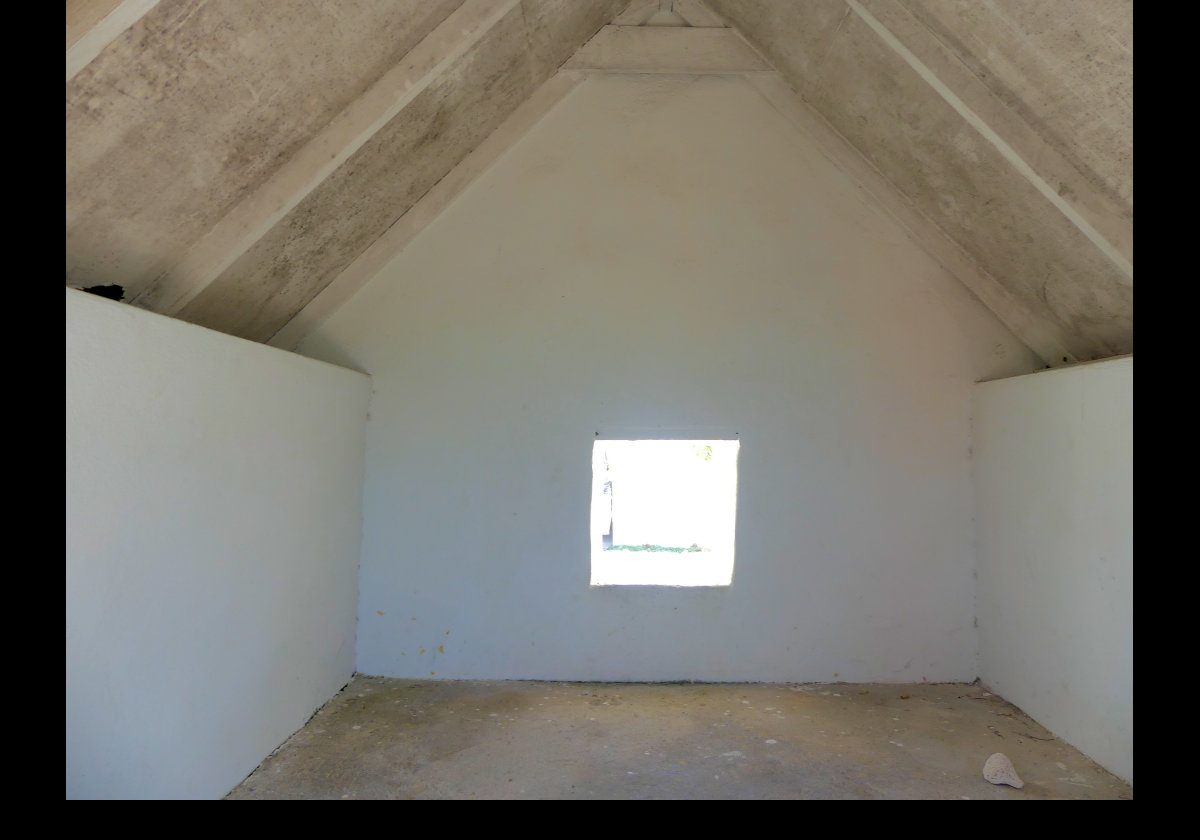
692	50
697	14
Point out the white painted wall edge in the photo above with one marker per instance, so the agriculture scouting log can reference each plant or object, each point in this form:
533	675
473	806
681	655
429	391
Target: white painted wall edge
1053	487
214	524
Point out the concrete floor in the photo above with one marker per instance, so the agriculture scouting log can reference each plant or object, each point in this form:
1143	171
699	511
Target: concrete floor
439	739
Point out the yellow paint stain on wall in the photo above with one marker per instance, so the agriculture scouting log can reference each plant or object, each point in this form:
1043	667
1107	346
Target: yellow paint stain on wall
422	650
441	649
378	612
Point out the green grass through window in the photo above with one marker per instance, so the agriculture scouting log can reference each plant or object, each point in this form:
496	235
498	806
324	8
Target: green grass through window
648	547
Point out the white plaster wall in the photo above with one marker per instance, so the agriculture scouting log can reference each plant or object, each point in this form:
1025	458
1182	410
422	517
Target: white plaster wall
1054	510
667	252
213	528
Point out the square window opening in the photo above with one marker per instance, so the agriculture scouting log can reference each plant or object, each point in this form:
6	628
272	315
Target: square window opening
663	512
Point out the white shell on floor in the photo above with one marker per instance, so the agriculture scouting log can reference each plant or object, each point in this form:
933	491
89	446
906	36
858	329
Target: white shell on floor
1000	771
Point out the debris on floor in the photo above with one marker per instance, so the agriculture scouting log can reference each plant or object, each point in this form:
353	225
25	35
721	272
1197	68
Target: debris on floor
999	770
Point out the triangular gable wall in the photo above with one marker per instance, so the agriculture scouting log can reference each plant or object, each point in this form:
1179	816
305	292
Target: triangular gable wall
664	251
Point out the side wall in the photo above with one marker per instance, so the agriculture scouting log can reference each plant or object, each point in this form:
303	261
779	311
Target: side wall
1054	519
667	252
214	514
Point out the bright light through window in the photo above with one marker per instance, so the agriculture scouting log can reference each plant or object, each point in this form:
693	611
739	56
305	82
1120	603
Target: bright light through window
663	512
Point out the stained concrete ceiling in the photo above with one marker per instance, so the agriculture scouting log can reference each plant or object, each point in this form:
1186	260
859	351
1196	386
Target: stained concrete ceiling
243	165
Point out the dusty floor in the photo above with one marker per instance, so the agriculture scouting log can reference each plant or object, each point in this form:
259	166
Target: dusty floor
424	739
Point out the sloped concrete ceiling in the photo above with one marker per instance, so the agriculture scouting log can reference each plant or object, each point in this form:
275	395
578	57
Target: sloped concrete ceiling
227	160
198	104
1007	123
195	139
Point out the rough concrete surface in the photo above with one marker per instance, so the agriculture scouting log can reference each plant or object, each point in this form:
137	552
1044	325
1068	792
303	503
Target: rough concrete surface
954	174
957	178
199	103
1051	152
438	739
174	126
300	256
1068	75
